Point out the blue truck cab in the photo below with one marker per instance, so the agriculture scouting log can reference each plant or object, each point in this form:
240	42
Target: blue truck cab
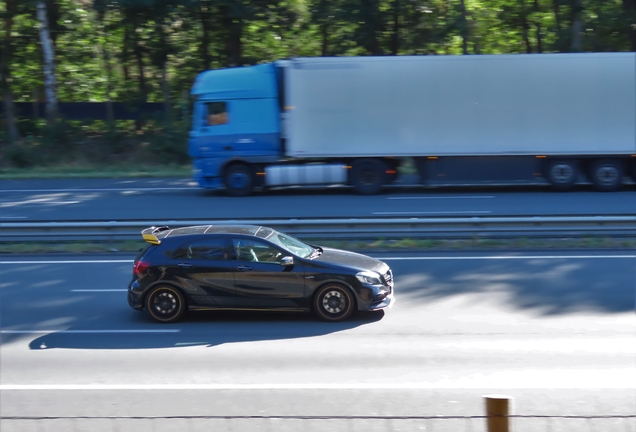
236	125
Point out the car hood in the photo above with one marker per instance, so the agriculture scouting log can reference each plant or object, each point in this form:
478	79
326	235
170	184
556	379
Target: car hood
353	260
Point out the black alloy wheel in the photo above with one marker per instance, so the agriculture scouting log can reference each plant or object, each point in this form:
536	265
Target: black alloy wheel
368	176
239	180
165	304
334	302
607	175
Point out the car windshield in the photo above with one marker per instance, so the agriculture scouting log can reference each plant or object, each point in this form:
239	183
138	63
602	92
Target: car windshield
291	244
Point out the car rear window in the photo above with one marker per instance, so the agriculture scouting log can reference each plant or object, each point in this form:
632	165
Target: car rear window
145	251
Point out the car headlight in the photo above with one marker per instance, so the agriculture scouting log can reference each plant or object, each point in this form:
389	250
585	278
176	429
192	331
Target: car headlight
370	278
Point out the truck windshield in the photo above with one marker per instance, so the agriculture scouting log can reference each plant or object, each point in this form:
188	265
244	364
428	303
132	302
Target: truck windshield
291	244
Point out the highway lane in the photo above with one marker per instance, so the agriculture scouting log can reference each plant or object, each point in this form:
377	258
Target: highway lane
164	199
556	331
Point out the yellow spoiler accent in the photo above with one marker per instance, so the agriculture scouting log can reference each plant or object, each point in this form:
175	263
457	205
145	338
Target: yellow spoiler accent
149	234
151	238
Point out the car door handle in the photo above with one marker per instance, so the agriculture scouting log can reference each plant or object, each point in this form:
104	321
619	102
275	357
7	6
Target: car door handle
184	265
244	268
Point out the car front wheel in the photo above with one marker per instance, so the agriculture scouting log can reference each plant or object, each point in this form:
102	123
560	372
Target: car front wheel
165	304
333	302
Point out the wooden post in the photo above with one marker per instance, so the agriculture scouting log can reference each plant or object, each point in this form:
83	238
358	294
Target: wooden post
497	413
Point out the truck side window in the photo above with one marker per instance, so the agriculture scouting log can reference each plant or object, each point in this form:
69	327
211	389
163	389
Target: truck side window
216	113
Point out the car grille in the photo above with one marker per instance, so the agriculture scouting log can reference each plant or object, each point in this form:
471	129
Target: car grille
388	278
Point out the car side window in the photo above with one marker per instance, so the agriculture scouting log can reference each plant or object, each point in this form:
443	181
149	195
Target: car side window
256	251
209	249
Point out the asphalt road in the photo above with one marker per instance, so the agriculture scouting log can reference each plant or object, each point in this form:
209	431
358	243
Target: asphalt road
554	331
165	199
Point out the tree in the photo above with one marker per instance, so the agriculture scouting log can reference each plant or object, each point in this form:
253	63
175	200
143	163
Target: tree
5	72
48	64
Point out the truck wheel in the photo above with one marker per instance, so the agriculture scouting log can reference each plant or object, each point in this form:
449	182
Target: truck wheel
368	176
607	175
239	180
562	173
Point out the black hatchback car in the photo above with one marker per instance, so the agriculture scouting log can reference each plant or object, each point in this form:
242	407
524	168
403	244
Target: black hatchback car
245	267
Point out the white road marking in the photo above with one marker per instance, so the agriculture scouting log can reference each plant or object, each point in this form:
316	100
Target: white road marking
520	379
496	257
442	197
433	212
13	217
87	331
99	290
508	257
96	190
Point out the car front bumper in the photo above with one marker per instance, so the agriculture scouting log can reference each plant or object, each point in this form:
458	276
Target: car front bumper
384	304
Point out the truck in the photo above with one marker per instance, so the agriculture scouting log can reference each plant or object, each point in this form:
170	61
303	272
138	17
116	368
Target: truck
357	121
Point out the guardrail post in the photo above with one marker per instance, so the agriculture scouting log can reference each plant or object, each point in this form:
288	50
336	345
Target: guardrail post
497	413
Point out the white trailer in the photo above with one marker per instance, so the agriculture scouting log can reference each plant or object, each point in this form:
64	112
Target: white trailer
562	117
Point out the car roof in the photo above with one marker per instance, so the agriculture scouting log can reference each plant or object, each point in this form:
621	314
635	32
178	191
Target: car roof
155	235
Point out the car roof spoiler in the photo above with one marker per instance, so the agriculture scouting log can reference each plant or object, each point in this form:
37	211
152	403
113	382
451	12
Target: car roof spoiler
150	234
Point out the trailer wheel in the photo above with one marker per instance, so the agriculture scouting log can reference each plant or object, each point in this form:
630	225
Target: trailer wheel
562	173
368	176
239	180
607	174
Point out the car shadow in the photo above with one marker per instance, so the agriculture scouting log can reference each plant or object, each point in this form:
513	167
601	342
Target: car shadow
208	329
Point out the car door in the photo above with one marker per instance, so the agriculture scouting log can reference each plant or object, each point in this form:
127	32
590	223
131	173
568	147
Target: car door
206	271
260	279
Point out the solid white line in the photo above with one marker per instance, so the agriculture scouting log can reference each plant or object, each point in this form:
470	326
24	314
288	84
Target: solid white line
441	197
433	212
295	386
13	217
96	190
99	290
69	262
86	331
507	257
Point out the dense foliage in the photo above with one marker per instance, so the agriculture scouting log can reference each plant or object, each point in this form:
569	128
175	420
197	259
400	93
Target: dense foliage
151	50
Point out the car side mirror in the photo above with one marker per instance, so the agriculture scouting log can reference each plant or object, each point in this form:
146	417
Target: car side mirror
287	261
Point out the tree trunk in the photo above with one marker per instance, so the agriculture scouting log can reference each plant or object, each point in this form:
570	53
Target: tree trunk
577	26
525	27
5	72
395	39
49	64
204	47
110	115
539	30
464	26
143	96
324	48
557	20
233	33
629	6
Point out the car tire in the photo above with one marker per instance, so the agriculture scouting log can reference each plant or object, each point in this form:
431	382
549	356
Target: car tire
562	173
607	175
165	304
239	180
334	302
368	176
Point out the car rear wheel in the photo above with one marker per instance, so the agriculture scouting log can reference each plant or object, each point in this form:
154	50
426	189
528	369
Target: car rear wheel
334	302
165	304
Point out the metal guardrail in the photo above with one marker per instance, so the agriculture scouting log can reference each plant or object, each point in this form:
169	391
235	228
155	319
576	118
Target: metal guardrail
354	228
